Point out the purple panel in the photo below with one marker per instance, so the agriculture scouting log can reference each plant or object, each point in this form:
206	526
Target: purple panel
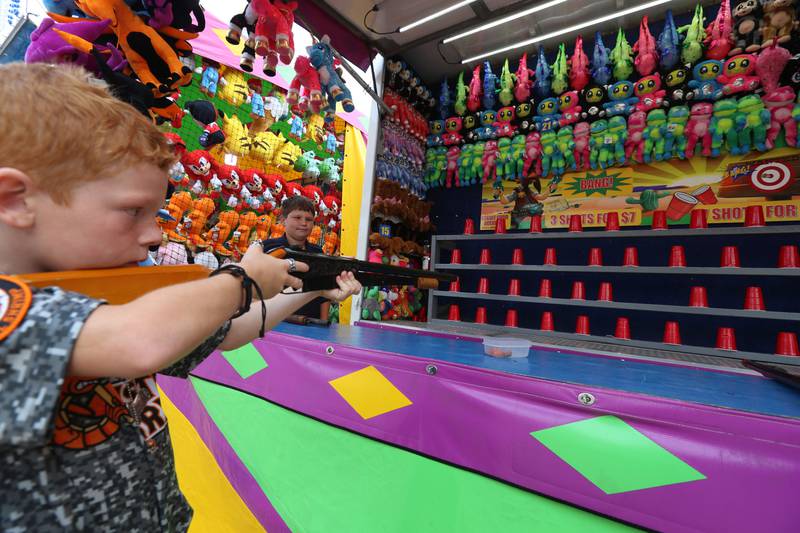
481	419
182	394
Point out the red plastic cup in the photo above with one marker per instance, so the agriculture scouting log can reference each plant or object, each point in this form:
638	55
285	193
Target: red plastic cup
550	256
455	258
582	325
754	216
595	257
787	344
578	291
486	257
512	319
500	225
455	313
672	334
699	219
631	258
680	204
705	195
513	287
730	257
575	224
480	315
604	294
698	297
726	339
545	289
547	322
788	257
469	226
455	286
623	329
612	221
677	257
536	224
516	257
659	220
754	299
483	286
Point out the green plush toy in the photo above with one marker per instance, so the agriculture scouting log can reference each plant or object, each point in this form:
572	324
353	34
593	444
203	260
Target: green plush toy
460	105
723	127
549	143
465	165
752	122
622	58
371	305
616	135
566	146
506	91
654	135
505	161
476	168
560	80
518	155
675	136
601	153
692	46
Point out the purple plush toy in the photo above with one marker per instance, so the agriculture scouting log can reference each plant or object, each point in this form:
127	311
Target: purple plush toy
48	46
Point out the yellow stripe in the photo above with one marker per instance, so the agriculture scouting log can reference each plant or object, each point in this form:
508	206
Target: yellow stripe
355	153
217	506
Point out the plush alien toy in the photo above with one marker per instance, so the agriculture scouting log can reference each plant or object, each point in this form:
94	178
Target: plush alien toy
452	135
649	92
593	99
752	121
704	82
675	136
676	83
469	126
547	117
525	123
436	128
504	126
621	99
738	75
486	131
723	127
655	135
568	105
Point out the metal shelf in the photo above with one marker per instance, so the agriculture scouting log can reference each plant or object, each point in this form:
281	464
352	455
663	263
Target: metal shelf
676	309
690	271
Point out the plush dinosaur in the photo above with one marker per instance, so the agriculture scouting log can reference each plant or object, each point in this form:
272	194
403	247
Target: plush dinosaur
489	86
692	48
542	84
646	54
444	100
523	80
559	83
601	74
668	44
578	67
460	104
506	92
475	90
622	58
719	34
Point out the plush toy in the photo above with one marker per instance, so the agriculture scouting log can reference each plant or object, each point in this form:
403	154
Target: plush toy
634	144
452	128
273	32
444	100
55	42
600	152
601	74
549	141
308	165
649	92
646	54
210	78
505	164
770	64
460	104
468	125
518	156
466	177
525	121
489	86
692	48
675	136
723	127
486	129
569	106
560	77
621	99
668	44
297	128
578	67
231	187
780	103
752	121
593	99
581	138
778	22
476	166
506	92
541	87
746	19
436	129
533	154
321	56
622	58
565	158
676	83
698	128
489	161
256	101
547	116
719	38
307	79
738	75
475	90
62	7
523	80
654	135
704	82
503	126
205	114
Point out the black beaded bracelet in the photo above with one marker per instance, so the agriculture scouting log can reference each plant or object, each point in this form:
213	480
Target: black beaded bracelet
248	284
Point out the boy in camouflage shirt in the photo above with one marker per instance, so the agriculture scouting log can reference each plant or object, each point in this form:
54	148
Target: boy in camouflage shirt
82	176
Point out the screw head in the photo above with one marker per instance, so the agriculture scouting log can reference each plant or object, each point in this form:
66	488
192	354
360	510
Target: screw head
329	350
586	398
431	370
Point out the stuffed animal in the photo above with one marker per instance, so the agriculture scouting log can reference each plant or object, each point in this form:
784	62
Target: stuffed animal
490	83
452	128
770	64
273	32
692	47
601	74
525	121
600	151
704	82
634	144
475	90
518	148
205	114
55	42
622	58
593	99
321	56
723	127
306	78
621	99
675	144
199	166
465	174
469	123
655	135
569	107
676	84
668	44
460	103
616	135
210	78
559	83
746	19
649	92
489	161
719	35
738	75
646	54
523	80
444	100
564	158
541	87
698	128
506	92
549	141
778	22
780	103
503	126
581	138
547	116
752	121
486	129
578	67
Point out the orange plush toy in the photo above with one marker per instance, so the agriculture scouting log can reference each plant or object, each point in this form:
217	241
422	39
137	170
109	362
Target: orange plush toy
241	238
193	225
315	235
216	238
181	200
277	231
331	243
231	218
263	225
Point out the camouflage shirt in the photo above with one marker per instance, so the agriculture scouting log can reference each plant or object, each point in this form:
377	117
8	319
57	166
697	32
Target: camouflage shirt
71	455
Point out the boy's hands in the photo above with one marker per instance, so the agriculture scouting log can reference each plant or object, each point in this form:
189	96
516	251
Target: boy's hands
271	274
348	286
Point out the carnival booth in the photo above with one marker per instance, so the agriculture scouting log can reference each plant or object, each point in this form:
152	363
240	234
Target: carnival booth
608	193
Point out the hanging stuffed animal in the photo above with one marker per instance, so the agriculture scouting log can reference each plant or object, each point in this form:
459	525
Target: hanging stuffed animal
273	32
578	66
518	156
569	107
547	116
503	127
321	56
444	100
621	99
542	84
559	83
524	112
778	22
475	90
746	19
646	54
601	73
54	42
489	86
770	64
655	135
524	80
205	114
460	104
692	48
469	124
649	92
306	78
668	44
622	58
780	103
719	39
533	154
549	141
452	128
489	161
506	92
676	83
616	135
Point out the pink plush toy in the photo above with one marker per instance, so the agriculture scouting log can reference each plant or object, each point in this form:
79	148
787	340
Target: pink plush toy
780	103
475	90
649	92
637	122
770	64
274	37
581	134
578	66
533	154
737	75
307	78
719	34
452	166
698	128
645	48
524	82
489	160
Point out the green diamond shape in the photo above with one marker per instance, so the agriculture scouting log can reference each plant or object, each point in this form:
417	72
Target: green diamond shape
615	456
246	360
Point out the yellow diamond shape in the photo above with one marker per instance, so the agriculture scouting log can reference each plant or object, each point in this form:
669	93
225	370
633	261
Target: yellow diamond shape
369	392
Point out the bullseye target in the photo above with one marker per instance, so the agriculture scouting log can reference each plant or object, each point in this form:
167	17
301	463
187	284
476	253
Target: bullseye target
771	177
